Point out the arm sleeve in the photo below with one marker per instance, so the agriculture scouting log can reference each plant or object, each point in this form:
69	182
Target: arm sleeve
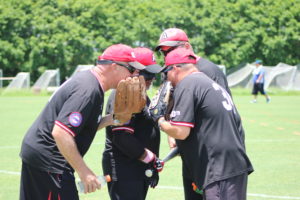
74	113
183	110
125	141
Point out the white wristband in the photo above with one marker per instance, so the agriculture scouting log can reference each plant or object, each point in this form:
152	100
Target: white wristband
149	156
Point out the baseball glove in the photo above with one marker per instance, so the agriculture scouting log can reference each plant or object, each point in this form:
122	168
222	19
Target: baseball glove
130	98
159	103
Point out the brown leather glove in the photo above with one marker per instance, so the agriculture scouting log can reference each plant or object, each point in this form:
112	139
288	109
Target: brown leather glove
130	98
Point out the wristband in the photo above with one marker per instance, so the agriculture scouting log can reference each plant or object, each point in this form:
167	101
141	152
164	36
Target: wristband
149	156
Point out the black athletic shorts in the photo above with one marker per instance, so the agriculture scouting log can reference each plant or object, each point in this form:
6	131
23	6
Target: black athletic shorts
38	185
258	87
234	188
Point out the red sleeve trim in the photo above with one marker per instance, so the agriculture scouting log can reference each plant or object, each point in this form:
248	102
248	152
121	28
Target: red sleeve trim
182	124
123	128
63	126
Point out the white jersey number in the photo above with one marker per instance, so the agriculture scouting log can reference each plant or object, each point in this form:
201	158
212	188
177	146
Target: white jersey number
228	104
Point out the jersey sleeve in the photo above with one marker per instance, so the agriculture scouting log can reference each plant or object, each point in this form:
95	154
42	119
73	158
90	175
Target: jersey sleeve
123	138
74	113
183	110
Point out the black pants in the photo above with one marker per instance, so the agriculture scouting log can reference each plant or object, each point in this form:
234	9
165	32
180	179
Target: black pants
39	185
189	193
128	190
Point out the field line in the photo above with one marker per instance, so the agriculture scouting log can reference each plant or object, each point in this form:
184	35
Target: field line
248	194
181	188
9	172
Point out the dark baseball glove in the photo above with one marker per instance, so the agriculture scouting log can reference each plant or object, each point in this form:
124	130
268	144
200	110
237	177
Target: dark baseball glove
159	103
130	98
156	165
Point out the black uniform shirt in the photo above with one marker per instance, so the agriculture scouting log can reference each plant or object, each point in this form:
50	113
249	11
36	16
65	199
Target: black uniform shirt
214	150
125	145
76	107
213	72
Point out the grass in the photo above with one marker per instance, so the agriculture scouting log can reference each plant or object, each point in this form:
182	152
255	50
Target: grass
272	140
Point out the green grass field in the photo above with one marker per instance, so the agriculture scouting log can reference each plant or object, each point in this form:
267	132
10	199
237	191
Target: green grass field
272	139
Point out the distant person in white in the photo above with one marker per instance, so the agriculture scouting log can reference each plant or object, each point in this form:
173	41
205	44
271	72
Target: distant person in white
258	82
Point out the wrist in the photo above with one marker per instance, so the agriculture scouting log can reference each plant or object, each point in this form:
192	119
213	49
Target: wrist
149	156
160	122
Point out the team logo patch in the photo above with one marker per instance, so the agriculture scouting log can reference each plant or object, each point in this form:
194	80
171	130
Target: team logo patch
168	33
75	119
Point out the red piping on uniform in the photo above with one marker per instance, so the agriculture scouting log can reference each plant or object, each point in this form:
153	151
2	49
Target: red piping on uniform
49	196
61	125
182	124
130	130
58	197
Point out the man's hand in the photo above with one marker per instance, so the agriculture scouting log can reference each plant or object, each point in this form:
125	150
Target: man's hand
90	181
172	142
158	164
155	166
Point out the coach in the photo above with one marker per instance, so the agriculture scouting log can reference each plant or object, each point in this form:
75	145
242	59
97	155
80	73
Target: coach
205	123
56	142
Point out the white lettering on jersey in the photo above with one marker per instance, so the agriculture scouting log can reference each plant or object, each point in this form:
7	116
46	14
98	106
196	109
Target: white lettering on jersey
227	104
174	113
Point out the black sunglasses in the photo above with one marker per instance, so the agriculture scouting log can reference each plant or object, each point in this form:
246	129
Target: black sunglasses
168	51
168	68
147	75
128	67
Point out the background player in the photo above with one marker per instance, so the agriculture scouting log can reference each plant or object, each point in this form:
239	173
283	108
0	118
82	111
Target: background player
132	148
258	82
55	144
205	124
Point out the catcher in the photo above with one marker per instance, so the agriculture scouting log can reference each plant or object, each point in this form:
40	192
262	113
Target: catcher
132	147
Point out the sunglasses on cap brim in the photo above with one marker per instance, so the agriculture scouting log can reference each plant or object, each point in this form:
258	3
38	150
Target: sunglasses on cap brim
128	67
165	52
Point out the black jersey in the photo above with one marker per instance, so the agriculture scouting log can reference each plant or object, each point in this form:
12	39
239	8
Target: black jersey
213	72
125	144
77	108
214	150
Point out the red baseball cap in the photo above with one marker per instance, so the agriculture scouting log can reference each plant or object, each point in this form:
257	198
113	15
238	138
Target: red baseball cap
121	53
172	37
179	56
146	57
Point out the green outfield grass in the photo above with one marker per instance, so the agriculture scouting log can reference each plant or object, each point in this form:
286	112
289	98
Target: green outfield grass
272	140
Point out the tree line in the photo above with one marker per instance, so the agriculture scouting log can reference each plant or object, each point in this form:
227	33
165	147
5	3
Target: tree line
36	35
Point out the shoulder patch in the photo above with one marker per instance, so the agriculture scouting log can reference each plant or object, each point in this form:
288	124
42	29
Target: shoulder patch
75	119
